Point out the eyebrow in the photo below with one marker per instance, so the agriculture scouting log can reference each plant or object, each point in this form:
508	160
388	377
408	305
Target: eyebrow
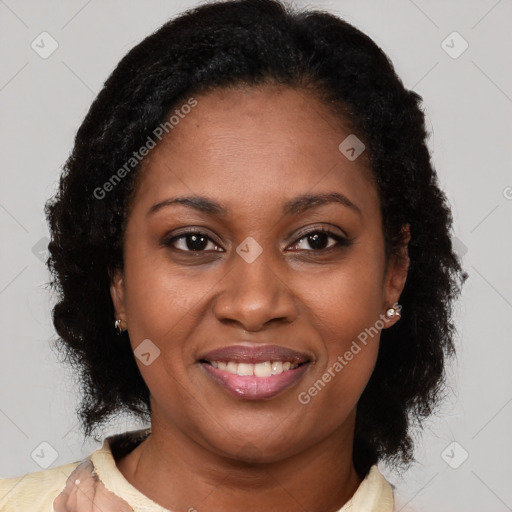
294	206
305	202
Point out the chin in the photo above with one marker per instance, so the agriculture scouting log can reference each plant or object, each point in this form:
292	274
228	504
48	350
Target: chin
257	447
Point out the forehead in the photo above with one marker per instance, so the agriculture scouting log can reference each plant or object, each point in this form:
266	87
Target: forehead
255	145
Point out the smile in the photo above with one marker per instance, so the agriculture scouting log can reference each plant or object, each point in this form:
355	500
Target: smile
265	369
255	372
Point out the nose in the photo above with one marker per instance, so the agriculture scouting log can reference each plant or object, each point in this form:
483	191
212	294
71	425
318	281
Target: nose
254	295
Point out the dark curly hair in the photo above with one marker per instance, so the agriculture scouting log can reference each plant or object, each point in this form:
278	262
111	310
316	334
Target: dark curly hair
257	42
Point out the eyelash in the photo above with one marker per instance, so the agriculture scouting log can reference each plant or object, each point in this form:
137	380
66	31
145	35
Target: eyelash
340	241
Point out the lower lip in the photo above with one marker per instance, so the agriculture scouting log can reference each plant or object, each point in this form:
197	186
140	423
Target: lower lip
255	388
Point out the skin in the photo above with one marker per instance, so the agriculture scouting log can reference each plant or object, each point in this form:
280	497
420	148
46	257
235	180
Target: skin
253	149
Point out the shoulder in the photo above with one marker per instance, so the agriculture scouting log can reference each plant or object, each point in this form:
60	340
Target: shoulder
374	494
401	504
34	492
73	487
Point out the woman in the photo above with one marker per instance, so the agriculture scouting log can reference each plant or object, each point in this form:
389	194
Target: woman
252	253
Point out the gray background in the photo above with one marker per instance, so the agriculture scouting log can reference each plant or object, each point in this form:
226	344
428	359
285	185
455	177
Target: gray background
468	103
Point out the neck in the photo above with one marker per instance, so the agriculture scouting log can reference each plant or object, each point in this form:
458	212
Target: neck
179	474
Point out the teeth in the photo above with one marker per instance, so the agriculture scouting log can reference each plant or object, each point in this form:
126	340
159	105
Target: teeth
262	369
277	367
266	369
245	369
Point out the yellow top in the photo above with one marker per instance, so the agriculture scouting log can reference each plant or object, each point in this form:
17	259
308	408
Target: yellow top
95	484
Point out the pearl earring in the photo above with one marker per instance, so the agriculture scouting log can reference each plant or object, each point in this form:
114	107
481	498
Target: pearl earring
392	312
117	326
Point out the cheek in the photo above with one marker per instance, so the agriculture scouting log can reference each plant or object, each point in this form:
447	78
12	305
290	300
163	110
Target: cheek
350	332
348	315
350	299
160	300
332	395
165	305
162	306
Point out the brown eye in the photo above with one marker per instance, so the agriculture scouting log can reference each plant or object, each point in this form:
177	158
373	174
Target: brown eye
192	242
318	240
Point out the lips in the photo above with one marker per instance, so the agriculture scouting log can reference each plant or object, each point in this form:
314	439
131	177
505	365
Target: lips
255	372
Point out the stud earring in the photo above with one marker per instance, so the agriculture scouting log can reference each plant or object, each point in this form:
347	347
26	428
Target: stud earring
394	311
117	326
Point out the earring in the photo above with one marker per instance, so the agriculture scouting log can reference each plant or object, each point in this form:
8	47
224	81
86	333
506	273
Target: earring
117	326
394	311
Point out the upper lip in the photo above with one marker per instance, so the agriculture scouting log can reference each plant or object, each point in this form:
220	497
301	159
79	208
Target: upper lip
254	354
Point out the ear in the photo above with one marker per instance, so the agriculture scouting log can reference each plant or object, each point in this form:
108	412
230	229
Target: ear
396	274
117	295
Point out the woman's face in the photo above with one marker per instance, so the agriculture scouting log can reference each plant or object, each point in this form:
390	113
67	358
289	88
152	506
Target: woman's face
245	281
